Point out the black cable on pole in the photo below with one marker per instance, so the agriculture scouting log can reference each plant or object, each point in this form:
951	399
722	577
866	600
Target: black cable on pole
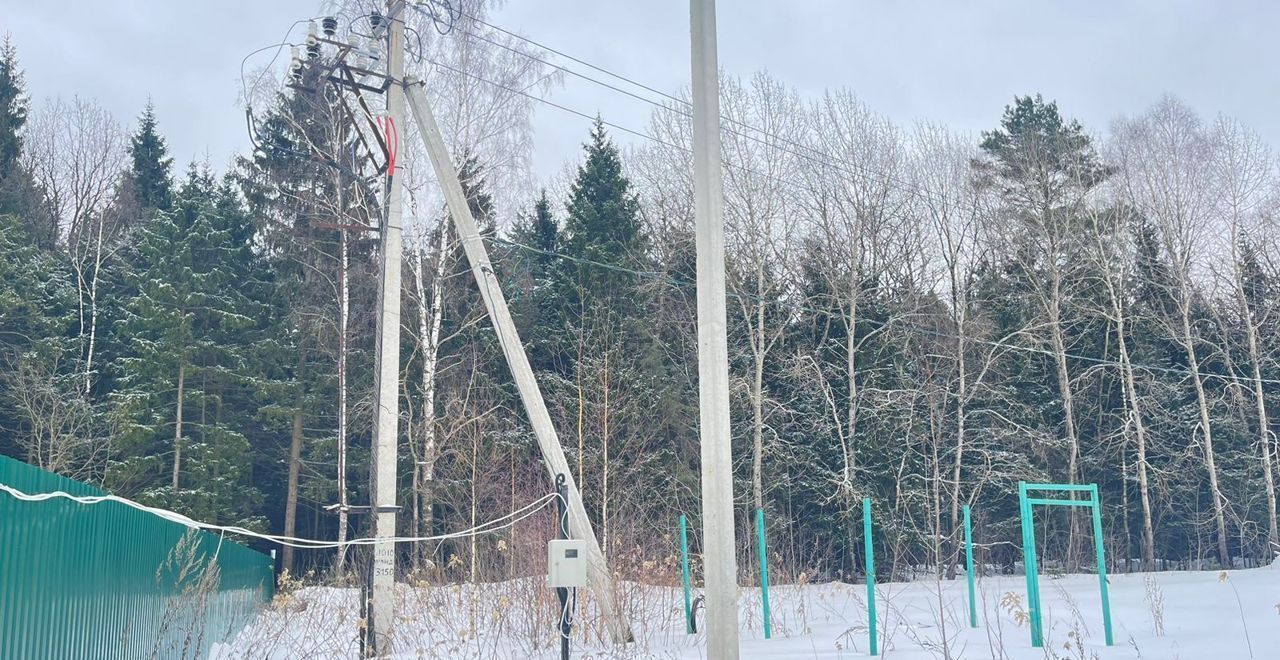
562	593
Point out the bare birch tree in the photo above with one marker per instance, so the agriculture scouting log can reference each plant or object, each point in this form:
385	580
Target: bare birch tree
76	151
951	206
1166	157
1111	255
475	89
1245	167
857	203
761	228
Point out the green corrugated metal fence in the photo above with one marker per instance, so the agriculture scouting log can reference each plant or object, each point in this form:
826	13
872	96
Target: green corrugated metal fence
109	581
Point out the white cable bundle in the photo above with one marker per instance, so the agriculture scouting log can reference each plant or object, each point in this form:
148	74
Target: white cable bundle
504	522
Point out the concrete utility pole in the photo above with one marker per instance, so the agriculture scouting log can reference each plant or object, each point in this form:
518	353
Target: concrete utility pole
496	304
719	558
381	610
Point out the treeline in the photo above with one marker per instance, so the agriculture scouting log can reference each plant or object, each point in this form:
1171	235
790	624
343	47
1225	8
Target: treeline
916	316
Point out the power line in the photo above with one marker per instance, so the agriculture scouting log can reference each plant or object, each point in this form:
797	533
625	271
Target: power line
903	186
244	89
813	310
812	154
1084	358
815	156
567	56
638	133
534	97
641	134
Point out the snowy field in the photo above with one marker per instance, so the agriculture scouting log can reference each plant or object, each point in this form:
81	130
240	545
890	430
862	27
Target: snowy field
1162	616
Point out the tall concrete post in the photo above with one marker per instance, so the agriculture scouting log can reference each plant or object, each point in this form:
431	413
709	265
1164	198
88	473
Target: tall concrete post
719	557
381	611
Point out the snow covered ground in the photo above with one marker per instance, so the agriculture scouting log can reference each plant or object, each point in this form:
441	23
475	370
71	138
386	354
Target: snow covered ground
1162	616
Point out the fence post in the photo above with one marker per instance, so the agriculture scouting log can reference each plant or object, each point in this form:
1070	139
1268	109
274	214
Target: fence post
764	573
1102	562
968	562
684	570
1029	564
871	574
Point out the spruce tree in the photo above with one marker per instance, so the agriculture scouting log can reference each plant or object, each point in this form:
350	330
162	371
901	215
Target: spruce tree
20	196
464	309
151	166
199	332
13	107
37	312
534	267
603	226
610	370
539	231
305	176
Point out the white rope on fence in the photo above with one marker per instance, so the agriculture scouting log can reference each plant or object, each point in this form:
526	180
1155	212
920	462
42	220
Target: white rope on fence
494	525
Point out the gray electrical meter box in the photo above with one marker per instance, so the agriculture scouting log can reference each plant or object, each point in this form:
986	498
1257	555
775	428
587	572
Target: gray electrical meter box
566	563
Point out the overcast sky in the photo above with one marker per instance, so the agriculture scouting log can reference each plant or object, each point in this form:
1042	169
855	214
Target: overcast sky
958	62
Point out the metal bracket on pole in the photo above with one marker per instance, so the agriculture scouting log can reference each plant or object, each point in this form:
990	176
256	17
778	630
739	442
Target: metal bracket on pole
521	372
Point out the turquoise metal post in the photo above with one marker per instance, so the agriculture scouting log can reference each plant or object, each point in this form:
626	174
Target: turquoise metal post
871	575
968	564
1102	563
764	573
684	571
1029	564
1035	575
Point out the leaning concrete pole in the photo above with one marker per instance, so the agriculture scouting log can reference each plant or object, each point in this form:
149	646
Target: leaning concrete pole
496	304
381	611
720	566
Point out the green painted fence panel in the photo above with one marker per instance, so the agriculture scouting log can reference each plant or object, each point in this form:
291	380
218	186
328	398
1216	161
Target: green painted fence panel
108	581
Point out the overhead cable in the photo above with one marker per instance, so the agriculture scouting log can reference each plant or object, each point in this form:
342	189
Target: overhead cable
497	524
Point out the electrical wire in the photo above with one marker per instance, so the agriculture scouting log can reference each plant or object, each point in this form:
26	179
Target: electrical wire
504	522
279	48
809	153
451	14
539	99
814	156
903	186
567	56
392	135
569	609
796	185
923	328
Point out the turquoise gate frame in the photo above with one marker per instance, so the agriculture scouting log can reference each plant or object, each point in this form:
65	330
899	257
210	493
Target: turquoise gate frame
1025	505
